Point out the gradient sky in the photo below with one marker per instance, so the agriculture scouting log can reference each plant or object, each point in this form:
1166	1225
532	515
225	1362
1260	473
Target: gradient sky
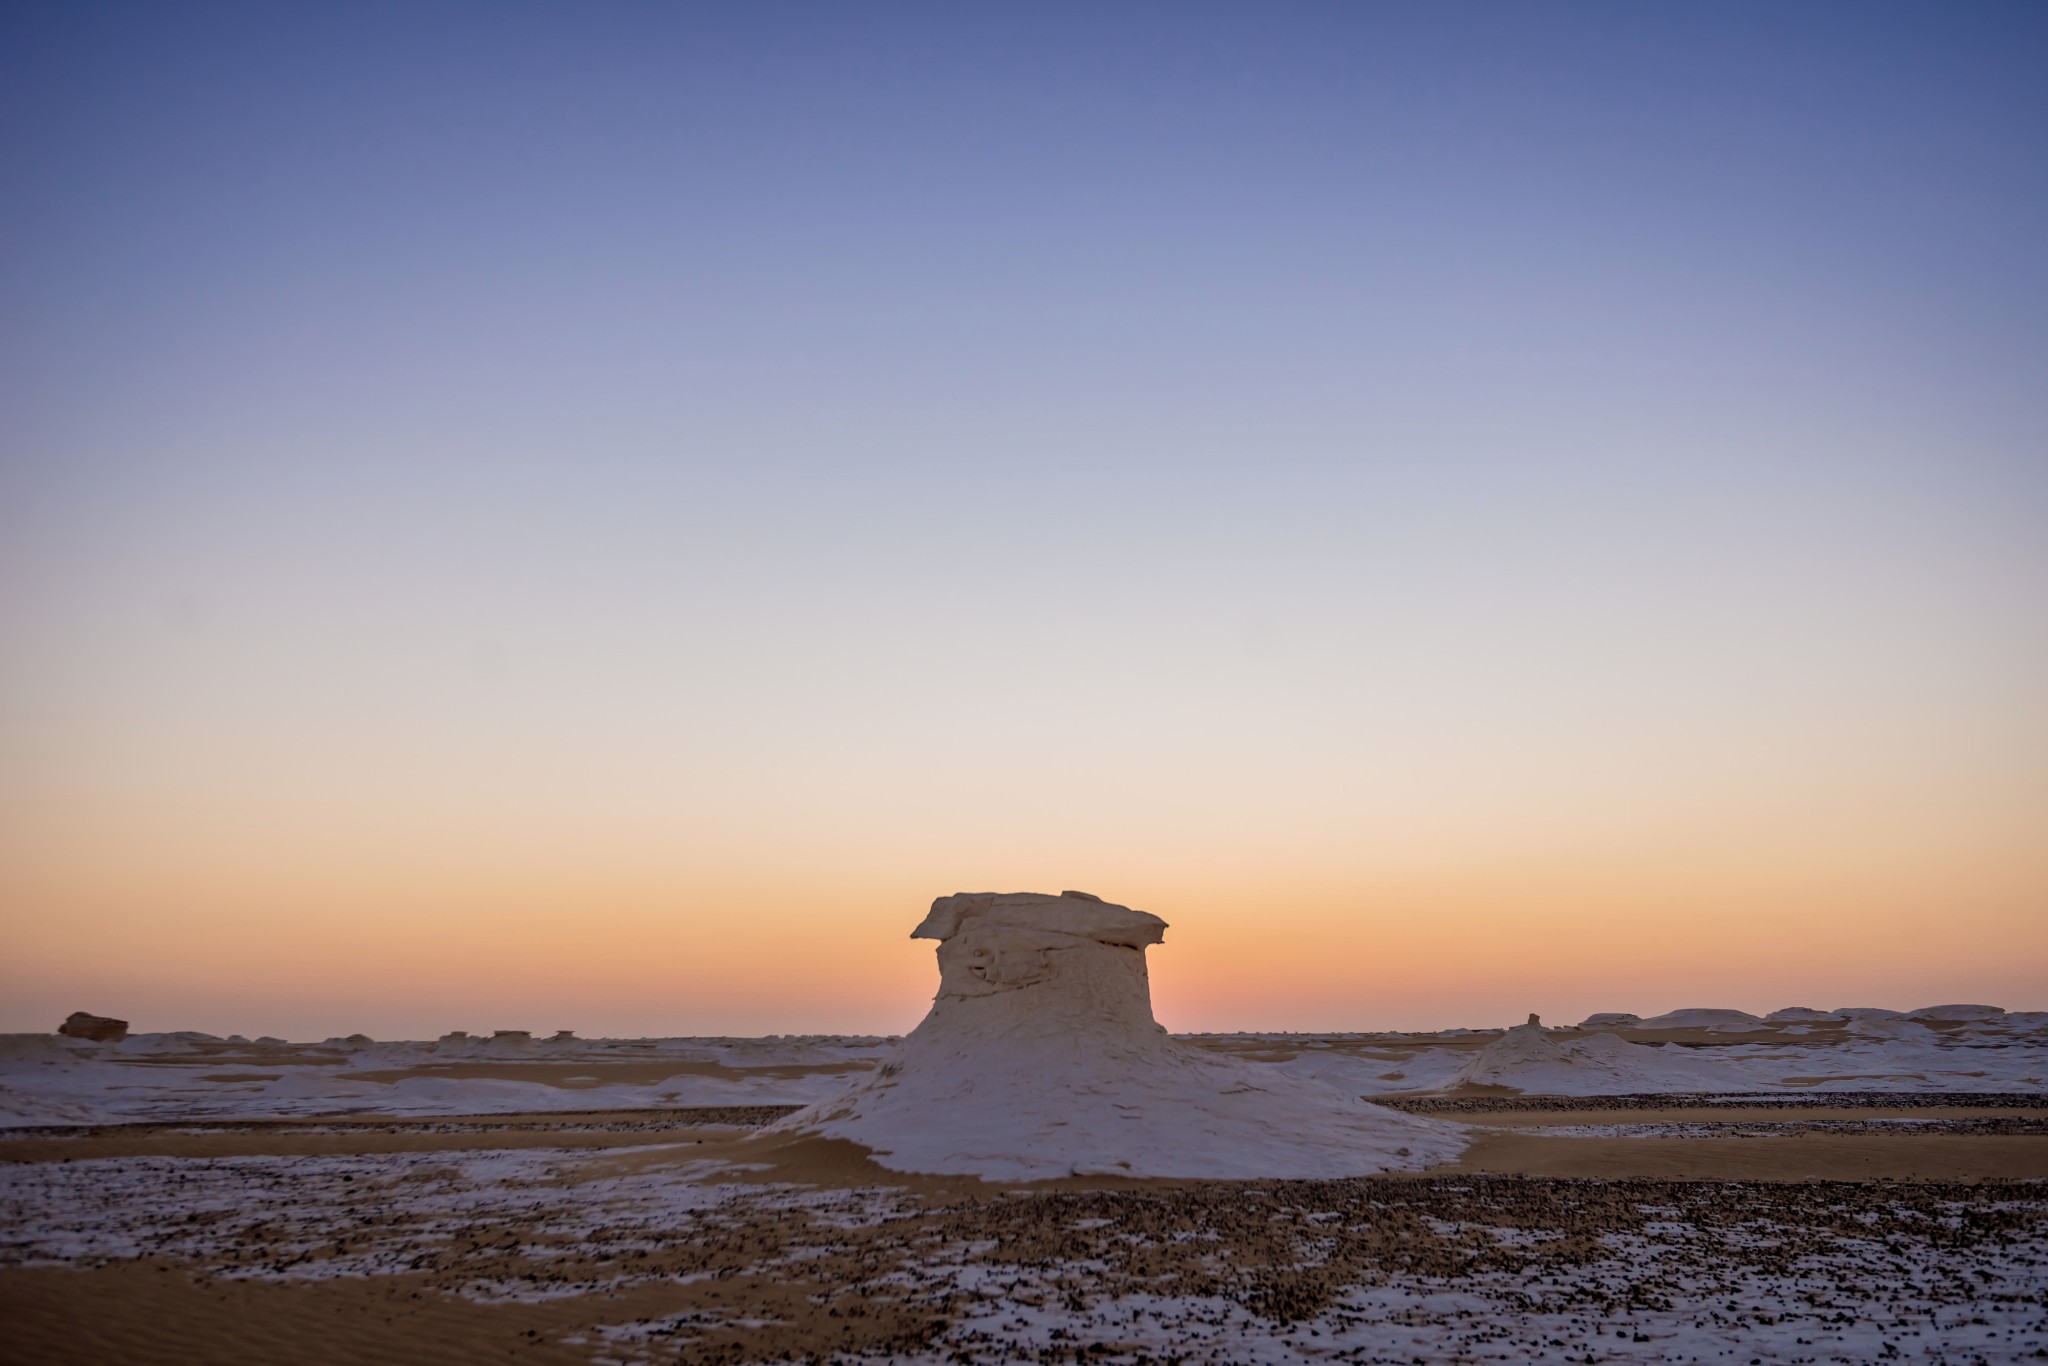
590	516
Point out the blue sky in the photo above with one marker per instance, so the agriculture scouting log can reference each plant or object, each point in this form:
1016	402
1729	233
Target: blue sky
1397	418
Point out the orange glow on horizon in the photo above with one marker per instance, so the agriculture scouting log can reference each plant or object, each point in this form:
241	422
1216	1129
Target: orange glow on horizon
323	937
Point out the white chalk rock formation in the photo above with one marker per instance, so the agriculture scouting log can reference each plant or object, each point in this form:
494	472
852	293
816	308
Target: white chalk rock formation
1519	1055
1040	1059
1600	1063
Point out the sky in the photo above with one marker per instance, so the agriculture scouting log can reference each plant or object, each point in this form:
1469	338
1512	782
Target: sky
590	516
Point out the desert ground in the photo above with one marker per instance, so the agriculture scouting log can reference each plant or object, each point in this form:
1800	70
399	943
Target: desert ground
1705	1187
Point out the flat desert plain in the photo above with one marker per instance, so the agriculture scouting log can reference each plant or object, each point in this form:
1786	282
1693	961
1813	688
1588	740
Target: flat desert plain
1706	1187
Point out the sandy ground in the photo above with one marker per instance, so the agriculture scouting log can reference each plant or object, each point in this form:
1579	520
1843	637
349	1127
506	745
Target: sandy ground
1880	1139
587	1075
1756	1232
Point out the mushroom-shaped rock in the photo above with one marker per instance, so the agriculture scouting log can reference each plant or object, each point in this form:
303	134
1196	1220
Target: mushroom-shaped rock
1090	954
1040	1058
97	1028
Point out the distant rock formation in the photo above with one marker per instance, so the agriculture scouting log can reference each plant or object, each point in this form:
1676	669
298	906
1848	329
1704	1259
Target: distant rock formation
1519	1051
1701	1017
1597	1062
1041	1058
97	1028
1955	1014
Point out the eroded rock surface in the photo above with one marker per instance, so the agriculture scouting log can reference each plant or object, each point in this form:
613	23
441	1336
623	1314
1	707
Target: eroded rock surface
1040	1058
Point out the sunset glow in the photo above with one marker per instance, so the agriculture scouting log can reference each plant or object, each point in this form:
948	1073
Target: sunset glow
1459	518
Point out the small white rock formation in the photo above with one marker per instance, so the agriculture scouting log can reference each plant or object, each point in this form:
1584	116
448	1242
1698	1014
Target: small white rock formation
1040	1059
1526	1059
1799	1015
1520	1053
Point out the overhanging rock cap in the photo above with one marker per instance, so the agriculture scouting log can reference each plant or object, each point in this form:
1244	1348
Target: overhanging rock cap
1074	913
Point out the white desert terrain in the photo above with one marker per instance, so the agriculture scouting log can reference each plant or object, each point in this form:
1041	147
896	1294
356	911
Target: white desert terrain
1039	1172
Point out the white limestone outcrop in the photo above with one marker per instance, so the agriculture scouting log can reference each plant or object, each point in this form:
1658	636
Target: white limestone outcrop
1530	1060
1040	1058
